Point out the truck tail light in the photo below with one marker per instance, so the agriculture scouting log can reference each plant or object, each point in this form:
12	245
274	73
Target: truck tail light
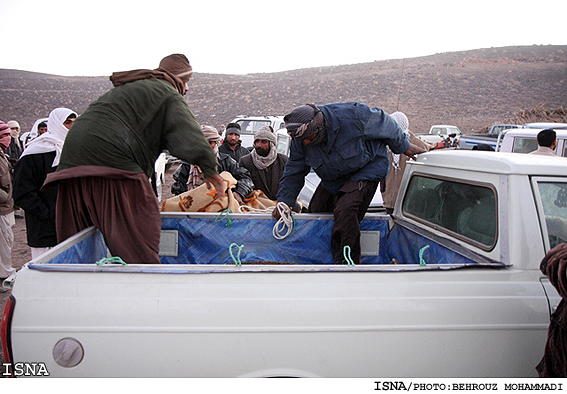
5	333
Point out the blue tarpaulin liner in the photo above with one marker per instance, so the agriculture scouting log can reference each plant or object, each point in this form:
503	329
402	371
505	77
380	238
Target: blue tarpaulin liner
88	250
408	247
208	241
204	239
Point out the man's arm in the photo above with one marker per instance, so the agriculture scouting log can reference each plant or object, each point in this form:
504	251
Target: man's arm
244	184
414	150
184	138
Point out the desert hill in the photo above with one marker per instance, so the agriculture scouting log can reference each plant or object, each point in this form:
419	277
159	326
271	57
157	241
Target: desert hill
470	89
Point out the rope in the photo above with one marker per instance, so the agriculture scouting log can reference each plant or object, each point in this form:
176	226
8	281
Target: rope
226	213
236	260
111	260
285	220
421	259
346	254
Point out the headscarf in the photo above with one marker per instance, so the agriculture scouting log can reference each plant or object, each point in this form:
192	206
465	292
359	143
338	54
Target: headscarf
3	127
263	162
196	177
304	121
5	137
212	134
13	125
29	136
55	136
175	69
402	120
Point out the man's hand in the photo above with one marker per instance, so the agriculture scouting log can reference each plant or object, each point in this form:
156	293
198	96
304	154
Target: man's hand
413	150
217	183
276	213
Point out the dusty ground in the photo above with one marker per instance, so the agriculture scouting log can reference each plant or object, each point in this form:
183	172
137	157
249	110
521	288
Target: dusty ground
21	251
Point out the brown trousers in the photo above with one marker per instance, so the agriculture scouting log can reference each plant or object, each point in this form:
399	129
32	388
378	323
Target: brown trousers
124	210
349	206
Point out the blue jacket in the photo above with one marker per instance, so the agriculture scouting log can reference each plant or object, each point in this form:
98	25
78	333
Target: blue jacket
357	136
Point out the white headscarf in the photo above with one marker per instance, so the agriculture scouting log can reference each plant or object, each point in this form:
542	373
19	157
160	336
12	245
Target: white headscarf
54	138
402	120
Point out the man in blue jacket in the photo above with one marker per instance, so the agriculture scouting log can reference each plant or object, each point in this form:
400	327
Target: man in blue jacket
345	144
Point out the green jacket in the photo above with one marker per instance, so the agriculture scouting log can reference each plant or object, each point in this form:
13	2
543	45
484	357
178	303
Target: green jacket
130	125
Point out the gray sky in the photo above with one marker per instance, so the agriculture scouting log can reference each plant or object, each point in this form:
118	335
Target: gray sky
95	38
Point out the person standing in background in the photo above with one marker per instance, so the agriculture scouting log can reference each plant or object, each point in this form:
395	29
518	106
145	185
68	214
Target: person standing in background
39	159
265	164
547	141
6	206
232	145
15	149
390	185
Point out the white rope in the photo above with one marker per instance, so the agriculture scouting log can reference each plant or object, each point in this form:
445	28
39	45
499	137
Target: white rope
285	221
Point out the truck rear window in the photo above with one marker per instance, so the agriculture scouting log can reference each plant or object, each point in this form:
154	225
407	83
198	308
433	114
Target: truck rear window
465	210
251	126
554	201
524	144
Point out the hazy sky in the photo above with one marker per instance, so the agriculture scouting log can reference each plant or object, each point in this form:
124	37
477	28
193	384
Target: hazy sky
70	37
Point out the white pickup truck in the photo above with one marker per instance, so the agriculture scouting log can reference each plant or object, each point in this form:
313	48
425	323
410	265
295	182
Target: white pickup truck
438	133
524	140
449	286
250	124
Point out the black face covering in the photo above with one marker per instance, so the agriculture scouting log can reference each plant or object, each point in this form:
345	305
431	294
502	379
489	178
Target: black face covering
306	121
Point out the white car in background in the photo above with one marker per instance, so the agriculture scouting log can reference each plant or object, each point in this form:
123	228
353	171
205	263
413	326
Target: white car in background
524	140
250	124
438	133
312	180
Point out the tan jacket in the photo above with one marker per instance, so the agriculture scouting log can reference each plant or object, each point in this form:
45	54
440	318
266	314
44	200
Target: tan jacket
6	200
543	151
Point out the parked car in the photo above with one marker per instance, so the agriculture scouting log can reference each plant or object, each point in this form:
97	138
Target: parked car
469	141
438	133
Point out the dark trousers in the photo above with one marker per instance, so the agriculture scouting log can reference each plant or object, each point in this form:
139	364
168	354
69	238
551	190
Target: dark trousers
124	210
348	206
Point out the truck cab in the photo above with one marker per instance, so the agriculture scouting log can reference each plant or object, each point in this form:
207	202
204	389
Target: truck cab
524	140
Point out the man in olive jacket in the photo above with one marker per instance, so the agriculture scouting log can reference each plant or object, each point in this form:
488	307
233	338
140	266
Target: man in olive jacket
109	156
